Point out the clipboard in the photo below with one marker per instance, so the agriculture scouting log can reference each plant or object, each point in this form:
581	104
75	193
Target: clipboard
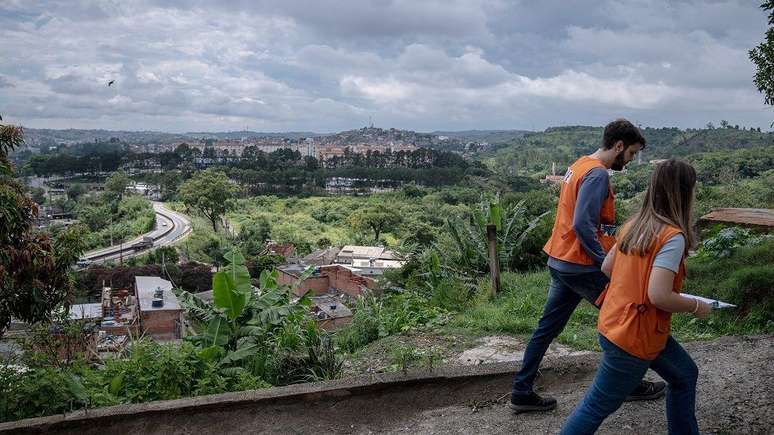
715	304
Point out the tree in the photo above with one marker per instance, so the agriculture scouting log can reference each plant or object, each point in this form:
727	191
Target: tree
38	195
323	243
170	181
253	234
211	193
75	191
117	183
34	268
96	217
163	255
183	151
763	58
378	218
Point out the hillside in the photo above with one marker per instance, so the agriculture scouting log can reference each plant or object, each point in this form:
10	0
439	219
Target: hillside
45	136
534	152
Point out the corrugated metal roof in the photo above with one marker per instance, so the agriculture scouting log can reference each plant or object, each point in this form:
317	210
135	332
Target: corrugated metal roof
759	217
86	311
353	251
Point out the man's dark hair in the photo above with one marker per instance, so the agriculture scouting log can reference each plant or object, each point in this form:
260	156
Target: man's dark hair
621	129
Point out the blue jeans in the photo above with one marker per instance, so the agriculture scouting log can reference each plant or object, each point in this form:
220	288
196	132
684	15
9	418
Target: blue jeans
618	375
564	294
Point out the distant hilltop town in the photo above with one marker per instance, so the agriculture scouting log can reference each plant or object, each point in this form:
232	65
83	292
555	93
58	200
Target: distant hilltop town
323	148
234	144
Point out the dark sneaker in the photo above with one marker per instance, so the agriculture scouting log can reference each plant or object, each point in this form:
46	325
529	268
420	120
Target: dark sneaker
647	391
531	402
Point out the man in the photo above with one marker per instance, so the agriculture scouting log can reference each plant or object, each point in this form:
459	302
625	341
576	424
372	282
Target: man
575	251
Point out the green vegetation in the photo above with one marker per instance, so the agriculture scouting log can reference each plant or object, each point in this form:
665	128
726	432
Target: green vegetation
149	371
395	313
518	307
117	183
34	267
763	58
535	152
210	193
249	338
110	221
377	218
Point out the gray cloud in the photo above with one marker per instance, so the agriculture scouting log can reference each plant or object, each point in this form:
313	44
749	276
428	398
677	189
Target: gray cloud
329	65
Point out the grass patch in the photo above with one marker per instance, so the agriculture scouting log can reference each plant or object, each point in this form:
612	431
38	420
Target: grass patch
740	279
518	307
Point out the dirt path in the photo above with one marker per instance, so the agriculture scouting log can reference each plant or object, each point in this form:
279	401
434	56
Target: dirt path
735	395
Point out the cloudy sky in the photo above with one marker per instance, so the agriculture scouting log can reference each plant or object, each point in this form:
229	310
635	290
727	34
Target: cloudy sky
324	65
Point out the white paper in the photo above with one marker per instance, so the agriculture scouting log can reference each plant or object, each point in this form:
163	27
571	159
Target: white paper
715	304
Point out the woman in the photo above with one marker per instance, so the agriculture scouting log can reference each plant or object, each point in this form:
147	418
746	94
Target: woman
646	270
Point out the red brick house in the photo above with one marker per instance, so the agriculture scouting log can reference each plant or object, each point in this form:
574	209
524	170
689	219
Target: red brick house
332	277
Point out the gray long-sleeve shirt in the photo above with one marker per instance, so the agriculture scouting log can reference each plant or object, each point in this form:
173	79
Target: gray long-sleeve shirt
585	222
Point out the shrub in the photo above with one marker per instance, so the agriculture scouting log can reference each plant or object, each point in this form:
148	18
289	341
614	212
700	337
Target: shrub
377	317
154	372
750	287
451	294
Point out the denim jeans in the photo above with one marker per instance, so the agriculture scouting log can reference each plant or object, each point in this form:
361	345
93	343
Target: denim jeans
564	294
618	375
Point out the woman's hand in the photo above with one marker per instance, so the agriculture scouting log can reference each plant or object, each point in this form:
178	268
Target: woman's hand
702	310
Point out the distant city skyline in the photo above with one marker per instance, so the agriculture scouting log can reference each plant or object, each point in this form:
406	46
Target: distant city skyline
327	66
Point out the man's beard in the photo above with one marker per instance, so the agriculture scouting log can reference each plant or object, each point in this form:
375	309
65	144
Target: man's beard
618	163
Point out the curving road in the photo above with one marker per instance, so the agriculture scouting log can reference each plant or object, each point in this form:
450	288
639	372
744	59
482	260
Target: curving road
170	227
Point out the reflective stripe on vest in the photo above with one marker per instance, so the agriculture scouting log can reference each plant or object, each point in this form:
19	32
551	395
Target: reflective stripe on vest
627	318
563	243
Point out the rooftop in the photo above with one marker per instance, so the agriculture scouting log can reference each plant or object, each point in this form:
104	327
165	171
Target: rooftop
331	306
361	251
146	289
756	217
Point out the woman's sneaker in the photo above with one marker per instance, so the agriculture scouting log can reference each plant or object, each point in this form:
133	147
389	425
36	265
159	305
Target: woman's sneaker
531	402
647	391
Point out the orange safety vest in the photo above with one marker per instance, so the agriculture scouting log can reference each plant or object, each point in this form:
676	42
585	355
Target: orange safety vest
564	244
627	317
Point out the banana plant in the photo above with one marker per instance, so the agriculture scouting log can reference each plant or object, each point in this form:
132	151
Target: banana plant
513	227
241	317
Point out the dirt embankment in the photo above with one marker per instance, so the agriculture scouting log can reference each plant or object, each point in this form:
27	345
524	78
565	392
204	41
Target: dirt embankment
735	395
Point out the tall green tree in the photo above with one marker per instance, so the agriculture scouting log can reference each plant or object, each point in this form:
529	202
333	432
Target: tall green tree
35	278
211	193
763	57
117	183
377	218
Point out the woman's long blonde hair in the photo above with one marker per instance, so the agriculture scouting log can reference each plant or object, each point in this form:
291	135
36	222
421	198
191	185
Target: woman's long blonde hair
668	201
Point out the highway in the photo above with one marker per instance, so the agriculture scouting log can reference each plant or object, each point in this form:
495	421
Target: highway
170	227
